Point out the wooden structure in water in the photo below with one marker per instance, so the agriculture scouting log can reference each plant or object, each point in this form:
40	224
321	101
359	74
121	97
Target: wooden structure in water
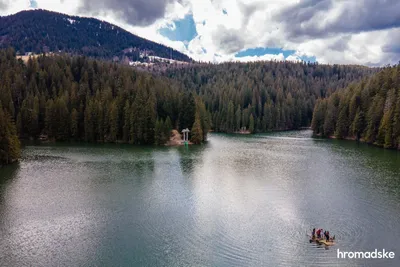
185	133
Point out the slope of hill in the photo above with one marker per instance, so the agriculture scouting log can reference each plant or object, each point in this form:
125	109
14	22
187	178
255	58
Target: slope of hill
39	31
368	111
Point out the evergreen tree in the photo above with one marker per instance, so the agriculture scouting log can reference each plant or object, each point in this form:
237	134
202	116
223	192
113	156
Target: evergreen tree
167	128
9	143
251	123
127	118
158	133
197	132
114	116
187	111
359	124
342	124
238	118
230	117
74	124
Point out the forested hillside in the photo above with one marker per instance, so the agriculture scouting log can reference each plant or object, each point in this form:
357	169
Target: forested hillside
368	111
40	31
74	98
264	96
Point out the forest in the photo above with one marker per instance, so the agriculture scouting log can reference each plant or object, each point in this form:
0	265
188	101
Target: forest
76	98
41	31
264	96
367	111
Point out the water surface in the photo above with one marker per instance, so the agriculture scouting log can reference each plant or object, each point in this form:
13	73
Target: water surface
235	201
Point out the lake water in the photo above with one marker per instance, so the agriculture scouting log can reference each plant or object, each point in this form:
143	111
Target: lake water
235	201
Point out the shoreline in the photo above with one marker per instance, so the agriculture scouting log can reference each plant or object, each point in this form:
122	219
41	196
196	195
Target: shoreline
362	141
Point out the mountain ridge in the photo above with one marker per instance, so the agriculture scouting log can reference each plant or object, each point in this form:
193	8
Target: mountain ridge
39	30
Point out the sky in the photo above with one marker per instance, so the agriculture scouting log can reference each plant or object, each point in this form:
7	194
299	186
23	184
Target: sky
363	32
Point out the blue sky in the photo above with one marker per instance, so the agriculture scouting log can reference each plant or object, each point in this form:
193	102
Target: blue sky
184	30
328	31
33	4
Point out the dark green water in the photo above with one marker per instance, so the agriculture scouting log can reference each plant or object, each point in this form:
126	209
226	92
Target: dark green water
236	201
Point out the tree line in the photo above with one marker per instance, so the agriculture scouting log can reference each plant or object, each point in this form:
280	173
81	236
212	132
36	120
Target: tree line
264	96
368	111
77	98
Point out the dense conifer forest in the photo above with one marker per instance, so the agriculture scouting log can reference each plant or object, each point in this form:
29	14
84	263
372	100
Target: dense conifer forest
264	96
76	98
368	111
40	31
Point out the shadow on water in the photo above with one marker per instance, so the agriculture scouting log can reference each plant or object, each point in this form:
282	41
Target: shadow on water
190	157
7	175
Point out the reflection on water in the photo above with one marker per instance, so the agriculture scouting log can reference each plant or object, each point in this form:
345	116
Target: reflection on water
235	201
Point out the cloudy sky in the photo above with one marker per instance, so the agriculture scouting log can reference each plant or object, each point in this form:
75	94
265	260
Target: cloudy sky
327	31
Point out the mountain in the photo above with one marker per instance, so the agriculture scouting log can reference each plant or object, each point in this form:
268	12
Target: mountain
368	111
40	31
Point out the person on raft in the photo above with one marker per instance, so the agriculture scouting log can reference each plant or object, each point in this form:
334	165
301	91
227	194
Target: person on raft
319	233
326	233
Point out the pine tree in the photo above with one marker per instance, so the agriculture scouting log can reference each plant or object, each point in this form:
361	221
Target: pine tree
9	143
342	124
197	132
187	111
359	124
74	124
385	130
230	117
126	126
158	133
317	124
61	121
238	118
114	116
167	129
49	118
251	123
89	123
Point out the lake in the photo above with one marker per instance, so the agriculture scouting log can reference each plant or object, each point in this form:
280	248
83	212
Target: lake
236	201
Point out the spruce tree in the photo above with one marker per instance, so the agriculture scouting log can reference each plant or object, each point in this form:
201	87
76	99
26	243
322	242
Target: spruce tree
74	124
359	124
251	123
342	124
157	133
197	132
9	144
238	118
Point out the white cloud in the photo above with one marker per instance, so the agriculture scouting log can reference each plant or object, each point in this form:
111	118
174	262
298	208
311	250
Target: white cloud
251	24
